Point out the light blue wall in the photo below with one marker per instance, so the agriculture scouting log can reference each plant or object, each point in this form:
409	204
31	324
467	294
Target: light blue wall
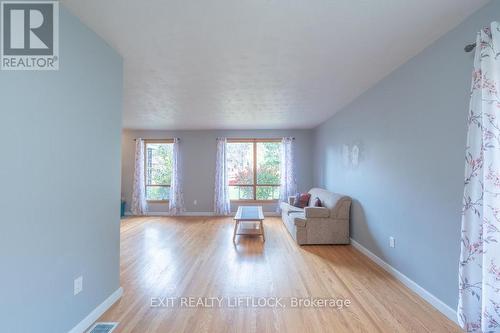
60	180
411	130
198	151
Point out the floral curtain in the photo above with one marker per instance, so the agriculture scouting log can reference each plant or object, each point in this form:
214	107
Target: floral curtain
479	270
221	201
176	202
287	169
139	204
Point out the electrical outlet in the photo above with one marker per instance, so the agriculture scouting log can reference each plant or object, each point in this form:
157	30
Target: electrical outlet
195	202
78	285
392	242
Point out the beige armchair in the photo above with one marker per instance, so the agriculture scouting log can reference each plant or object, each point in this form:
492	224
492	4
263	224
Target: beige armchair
319	225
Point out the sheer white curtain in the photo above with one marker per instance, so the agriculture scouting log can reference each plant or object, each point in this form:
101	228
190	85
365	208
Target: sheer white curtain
176	202
479	270
287	169
139	204
221	200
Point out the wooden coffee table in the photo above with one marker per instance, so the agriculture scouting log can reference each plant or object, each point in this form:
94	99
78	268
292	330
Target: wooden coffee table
249	214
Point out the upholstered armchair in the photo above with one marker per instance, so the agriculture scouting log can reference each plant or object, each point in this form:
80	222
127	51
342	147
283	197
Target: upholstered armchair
328	224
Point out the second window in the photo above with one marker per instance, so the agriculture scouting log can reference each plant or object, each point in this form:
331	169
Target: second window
254	169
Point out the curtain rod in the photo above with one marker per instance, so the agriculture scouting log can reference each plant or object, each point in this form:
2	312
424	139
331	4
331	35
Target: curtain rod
159	139
469	47
279	138
293	138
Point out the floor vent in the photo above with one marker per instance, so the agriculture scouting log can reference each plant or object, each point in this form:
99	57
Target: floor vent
102	328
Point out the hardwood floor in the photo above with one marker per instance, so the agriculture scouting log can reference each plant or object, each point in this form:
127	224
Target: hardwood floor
195	257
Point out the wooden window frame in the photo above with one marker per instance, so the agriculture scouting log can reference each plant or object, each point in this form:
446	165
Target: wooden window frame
254	141
146	142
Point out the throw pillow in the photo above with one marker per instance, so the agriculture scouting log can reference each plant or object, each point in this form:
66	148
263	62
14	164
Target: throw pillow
317	202
301	200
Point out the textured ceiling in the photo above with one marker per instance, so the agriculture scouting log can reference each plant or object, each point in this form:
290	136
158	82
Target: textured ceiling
259	64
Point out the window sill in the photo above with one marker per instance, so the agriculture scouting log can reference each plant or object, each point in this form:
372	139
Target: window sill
157	201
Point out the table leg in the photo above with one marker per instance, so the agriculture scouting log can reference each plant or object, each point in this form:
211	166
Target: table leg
262	230
235	229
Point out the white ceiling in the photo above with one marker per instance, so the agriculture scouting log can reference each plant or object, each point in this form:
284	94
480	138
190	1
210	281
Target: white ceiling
259	64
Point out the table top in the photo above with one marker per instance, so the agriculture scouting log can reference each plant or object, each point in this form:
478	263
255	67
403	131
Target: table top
249	213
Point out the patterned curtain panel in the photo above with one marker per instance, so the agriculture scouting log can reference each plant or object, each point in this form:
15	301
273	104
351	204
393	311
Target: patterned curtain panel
287	169
479	270
139	204
221	201
176	202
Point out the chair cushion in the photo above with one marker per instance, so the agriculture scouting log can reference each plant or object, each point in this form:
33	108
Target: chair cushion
328	199
287	208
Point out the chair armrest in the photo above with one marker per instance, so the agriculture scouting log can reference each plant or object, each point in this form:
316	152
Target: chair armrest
291	200
299	222
318	212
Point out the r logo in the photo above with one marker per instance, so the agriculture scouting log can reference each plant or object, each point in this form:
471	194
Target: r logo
29	28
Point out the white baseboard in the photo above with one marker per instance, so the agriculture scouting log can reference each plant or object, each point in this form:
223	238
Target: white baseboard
97	312
168	214
196	214
433	300
272	214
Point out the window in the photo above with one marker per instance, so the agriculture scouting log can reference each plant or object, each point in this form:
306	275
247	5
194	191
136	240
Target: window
254	169
158	169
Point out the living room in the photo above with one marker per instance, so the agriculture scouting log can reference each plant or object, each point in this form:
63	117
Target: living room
280	166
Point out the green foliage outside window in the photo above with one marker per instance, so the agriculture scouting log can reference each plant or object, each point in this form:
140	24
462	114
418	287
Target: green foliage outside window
241	170
158	170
